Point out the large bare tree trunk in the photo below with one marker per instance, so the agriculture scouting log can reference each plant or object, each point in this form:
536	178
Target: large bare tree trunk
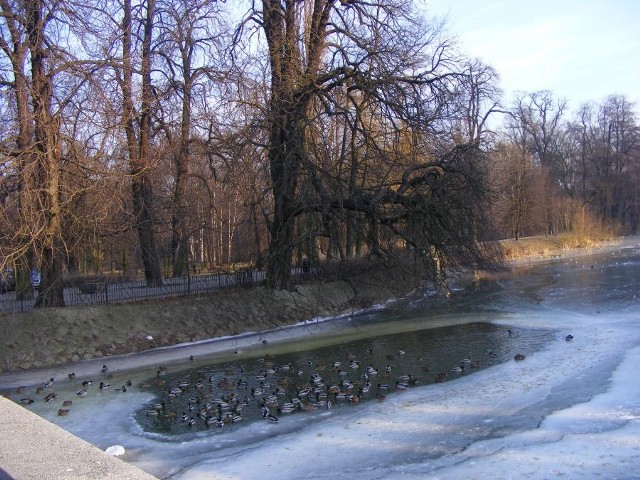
284	161
15	48
288	109
180	234
48	158
140	150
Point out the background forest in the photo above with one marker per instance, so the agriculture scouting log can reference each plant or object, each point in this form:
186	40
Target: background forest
162	137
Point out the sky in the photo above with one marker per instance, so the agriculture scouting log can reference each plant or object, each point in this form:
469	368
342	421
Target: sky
581	50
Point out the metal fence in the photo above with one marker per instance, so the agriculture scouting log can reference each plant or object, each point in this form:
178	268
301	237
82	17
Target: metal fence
106	293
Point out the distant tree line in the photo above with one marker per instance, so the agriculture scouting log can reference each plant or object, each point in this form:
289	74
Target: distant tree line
557	172
168	136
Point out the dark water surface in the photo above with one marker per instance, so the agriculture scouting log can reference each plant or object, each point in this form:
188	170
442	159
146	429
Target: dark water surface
224	396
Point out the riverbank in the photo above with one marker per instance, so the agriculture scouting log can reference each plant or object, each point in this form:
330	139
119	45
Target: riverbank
63	337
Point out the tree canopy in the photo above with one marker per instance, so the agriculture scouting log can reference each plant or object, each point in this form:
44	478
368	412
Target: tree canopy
170	136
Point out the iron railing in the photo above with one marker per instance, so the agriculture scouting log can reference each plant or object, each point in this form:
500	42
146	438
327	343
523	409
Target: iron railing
100	292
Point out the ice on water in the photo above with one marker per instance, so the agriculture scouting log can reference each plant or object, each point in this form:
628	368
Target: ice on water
571	410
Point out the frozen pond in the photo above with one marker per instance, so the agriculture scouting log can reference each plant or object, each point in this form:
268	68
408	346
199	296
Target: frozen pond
569	408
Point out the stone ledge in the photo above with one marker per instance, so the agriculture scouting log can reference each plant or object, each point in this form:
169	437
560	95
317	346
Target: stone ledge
33	448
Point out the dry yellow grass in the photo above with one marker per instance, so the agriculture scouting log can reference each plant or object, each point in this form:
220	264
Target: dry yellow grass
546	246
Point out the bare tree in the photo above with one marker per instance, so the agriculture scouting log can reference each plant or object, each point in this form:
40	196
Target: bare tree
514	179
404	72
48	69
15	48
536	119
607	139
138	130
190	37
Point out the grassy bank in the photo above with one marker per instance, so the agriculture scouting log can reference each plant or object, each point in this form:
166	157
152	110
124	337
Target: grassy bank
549	246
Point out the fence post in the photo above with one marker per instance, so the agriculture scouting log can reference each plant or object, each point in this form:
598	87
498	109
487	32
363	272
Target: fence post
106	293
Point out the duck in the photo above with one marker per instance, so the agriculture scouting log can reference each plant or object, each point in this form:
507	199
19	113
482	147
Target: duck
26	401
67	403
48	383
49	397
568	338
63	412
104	386
440	377
104	370
214	421
493	355
71	376
401	386
458	369
287	408
81	393
303	392
285	368
87	383
519	356
271	418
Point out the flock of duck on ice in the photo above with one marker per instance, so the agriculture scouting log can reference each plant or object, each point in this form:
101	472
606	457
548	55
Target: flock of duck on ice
275	389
